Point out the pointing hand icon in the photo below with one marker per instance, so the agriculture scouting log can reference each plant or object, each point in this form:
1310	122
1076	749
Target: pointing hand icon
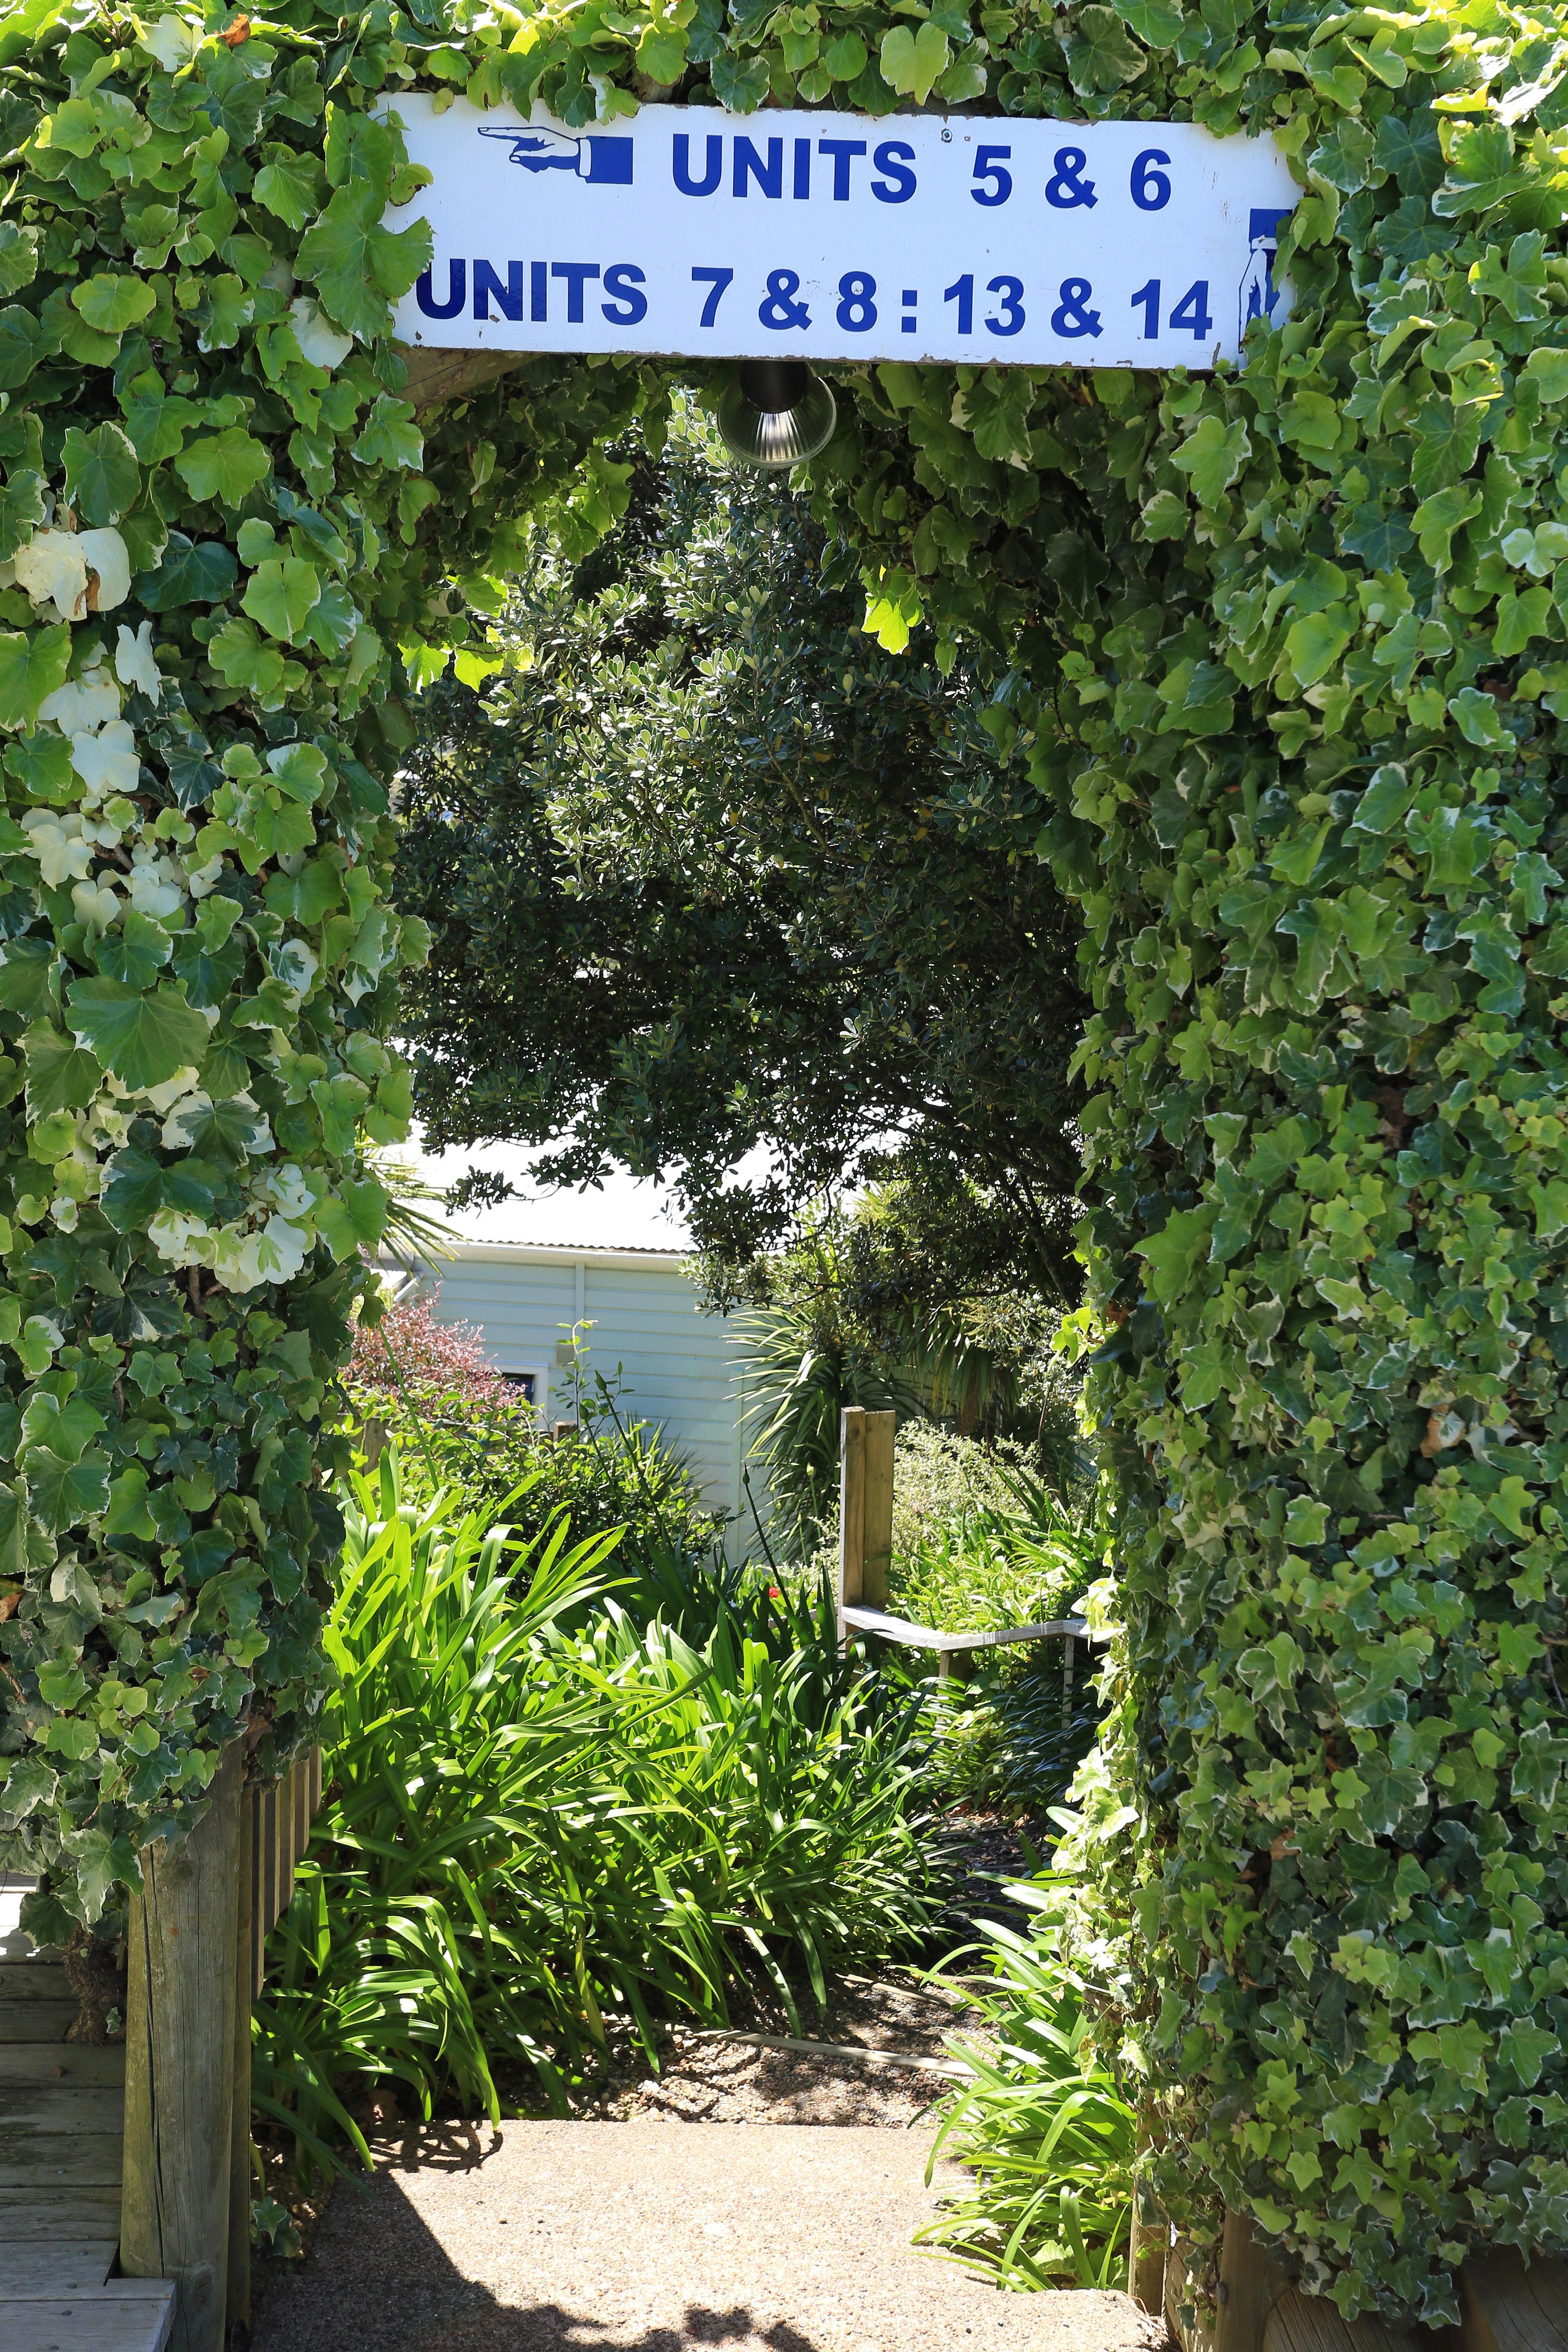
539	150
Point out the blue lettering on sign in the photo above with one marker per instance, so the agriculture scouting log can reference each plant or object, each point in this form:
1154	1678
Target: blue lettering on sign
714	168
749	166
628	307
608	161
456	292
764	170
893	156
509	296
842	151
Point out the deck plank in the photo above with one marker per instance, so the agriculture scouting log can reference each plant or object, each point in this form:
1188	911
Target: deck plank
59	2266
42	2217
35	2021
123	2316
63	2107
33	1980
79	2064
60	2159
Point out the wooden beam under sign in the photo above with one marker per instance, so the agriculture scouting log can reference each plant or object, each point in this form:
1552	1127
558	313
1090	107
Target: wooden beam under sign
437	375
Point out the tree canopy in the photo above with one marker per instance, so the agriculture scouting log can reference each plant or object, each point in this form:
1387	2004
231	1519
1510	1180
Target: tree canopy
707	869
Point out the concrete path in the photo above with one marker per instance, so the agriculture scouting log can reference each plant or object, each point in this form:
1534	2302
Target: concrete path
641	2237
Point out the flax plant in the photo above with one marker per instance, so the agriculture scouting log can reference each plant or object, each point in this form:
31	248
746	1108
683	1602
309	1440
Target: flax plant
1042	2125
544	1819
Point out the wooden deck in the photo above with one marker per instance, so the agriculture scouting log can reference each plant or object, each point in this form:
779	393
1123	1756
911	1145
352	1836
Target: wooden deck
62	2114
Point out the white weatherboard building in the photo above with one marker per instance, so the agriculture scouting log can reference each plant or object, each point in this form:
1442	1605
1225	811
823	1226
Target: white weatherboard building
639	1320
609	1264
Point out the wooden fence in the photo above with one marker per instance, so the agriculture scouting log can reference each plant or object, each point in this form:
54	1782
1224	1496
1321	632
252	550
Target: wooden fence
195	1943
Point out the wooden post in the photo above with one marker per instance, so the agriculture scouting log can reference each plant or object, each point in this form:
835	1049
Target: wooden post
238	2300
1251	2282
876	1507
179	2070
851	1510
1146	2260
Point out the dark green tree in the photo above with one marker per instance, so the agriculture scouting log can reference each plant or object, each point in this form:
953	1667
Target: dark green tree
706	869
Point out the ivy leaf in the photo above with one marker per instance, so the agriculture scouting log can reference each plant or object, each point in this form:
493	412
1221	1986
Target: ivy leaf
29	977
661	52
1450	439
61	1075
62	1495
141	1039
1548	369
1315	643
135	952
359	148
334	621
203	574
1212	457
224	312
1098	54
1176	1251
353	1218
308	897
1156	22
244	660
232	96
1409	147
996	410
19	256
111	302
299	770
1379	538
133	1189
738	87
291	186
280	595
847	58
101	474
24	340
358	267
910	62
1344	157
389	436
225	466
32	665
21	509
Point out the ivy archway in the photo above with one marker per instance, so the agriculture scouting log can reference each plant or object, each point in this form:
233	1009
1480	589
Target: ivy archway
1283	653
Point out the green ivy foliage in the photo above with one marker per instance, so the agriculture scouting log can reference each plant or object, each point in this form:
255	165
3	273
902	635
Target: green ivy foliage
1289	663
218	530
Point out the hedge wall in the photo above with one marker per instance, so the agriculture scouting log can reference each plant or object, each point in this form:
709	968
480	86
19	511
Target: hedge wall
1284	655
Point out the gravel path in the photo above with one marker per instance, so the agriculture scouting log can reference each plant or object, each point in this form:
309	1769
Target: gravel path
636	2237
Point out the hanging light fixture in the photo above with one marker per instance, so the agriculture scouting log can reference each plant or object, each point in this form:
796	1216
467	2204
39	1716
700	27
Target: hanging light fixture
776	413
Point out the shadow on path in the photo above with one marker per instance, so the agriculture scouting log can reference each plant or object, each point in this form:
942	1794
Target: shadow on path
378	2280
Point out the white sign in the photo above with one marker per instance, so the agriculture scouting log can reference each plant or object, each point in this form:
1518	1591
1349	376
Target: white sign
833	237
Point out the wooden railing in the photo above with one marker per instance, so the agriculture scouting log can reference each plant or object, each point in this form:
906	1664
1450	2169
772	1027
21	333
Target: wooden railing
866	1549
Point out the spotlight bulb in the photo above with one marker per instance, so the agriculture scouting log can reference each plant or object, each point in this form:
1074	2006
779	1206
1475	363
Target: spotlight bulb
777	414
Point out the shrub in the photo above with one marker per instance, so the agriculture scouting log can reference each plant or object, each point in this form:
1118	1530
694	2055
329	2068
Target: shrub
408	1353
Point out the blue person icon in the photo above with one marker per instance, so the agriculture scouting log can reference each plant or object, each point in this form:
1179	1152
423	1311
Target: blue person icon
1259	295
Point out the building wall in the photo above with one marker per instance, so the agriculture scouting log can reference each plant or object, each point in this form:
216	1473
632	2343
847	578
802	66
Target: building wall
642	1332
